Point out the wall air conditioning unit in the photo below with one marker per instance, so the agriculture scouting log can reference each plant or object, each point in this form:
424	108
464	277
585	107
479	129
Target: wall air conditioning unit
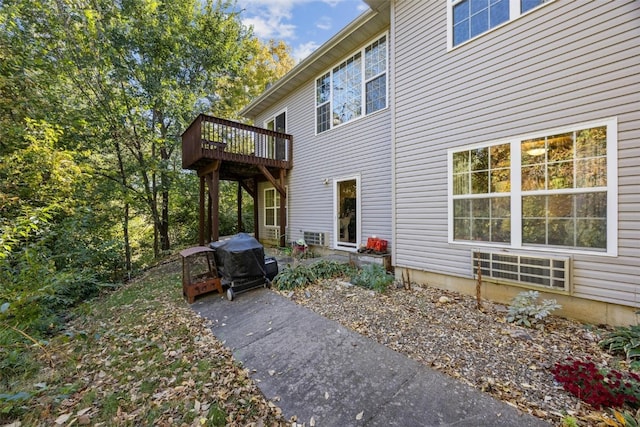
314	238
545	272
272	233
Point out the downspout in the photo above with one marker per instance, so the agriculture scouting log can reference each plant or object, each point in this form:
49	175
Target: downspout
392	105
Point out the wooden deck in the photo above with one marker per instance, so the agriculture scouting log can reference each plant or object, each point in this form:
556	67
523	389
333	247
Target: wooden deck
241	148
220	149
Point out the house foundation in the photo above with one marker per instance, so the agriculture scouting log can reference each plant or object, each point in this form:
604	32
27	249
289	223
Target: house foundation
573	307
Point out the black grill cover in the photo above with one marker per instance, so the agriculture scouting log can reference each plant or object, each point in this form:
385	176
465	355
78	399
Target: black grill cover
239	257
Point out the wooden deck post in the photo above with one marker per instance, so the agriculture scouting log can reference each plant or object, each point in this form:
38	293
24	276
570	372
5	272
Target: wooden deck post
211	175
213	179
209	215
239	199
256	198
283	212
201	213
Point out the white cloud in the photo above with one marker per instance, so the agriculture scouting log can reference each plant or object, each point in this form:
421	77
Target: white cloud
269	18
270	27
302	51
324	23
273	19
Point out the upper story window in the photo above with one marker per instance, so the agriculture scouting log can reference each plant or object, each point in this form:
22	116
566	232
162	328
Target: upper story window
553	190
470	18
353	88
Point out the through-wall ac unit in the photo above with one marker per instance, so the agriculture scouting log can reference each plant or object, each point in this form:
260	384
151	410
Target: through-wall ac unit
314	238
272	234
547	272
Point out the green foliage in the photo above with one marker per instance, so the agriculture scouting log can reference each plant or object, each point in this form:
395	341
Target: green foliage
15	363
216	416
12	405
228	210
525	310
294	277
624	340
327	269
373	276
93	99
628	418
304	275
569	421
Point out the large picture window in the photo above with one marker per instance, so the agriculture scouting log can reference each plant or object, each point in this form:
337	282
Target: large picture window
353	88
481	184
470	18
555	190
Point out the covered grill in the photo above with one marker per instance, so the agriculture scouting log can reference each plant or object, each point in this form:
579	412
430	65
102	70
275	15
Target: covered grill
241	264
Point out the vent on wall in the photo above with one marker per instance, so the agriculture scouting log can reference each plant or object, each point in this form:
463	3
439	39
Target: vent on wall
539	271
314	238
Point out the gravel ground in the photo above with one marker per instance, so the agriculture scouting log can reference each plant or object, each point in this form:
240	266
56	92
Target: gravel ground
446	331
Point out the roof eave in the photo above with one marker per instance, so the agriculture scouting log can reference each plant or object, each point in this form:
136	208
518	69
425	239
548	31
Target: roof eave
307	67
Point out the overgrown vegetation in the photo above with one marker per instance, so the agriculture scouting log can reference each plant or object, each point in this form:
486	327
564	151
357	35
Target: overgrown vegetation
302	275
627	418
371	276
625	341
525	310
136	356
93	98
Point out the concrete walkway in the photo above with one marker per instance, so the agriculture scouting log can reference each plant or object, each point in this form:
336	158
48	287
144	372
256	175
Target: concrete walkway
328	375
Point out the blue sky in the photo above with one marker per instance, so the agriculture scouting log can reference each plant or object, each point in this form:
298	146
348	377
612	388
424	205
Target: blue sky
303	24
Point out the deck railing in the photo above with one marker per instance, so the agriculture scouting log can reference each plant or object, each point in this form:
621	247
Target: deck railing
211	137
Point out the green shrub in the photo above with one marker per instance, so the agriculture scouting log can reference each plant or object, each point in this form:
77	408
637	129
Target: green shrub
304	275
524	309
326	269
569	421
627	418
294	277
372	276
624	340
13	405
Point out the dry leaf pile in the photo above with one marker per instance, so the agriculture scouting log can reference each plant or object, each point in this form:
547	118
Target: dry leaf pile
145	358
446	331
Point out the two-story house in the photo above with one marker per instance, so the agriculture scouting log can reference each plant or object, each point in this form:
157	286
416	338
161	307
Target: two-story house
495	135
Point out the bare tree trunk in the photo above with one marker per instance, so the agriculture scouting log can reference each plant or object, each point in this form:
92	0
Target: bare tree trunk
165	183
125	219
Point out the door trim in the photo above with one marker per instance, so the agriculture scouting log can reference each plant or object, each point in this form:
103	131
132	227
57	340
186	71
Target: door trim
336	231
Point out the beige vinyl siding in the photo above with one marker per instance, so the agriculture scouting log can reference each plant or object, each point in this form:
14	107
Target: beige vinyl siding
562	64
361	147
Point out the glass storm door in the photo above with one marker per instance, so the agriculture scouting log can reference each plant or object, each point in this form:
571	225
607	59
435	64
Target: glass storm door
347	214
276	147
281	146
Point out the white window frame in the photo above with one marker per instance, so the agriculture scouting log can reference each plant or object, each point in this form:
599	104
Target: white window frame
275	208
272	119
516	191
363	85
514	13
